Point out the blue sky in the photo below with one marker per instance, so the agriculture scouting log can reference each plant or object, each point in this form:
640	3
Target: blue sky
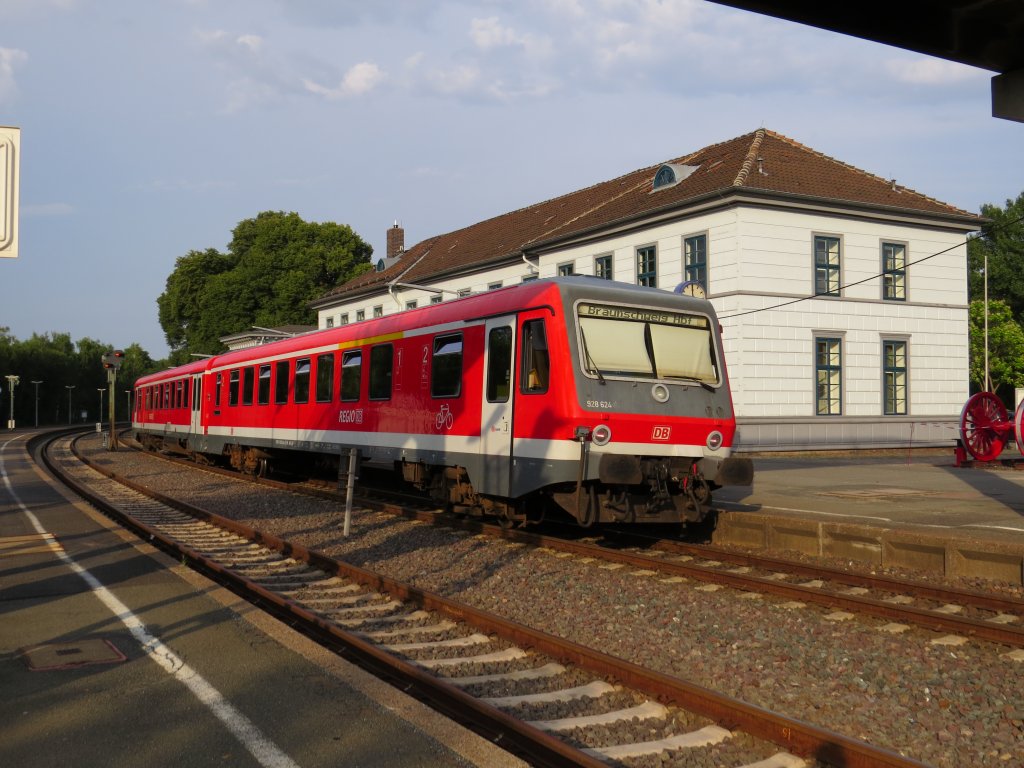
151	129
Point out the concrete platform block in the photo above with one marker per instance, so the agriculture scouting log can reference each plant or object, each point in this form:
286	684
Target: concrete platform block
918	554
970	560
741	530
861	546
798	535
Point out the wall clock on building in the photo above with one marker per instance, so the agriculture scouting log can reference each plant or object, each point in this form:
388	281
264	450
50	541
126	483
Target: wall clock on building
691	288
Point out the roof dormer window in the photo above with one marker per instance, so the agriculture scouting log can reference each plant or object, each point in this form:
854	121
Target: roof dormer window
671	174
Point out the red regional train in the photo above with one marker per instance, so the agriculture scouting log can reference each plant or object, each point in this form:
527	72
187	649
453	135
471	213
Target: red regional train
611	400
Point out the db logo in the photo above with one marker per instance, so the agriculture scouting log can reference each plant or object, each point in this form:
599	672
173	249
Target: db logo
661	433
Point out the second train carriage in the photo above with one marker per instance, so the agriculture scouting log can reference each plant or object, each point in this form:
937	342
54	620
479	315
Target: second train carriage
612	400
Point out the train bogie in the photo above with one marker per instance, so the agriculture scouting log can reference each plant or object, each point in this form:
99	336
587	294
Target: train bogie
610	400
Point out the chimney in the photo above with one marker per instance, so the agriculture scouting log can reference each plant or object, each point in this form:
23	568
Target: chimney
396	241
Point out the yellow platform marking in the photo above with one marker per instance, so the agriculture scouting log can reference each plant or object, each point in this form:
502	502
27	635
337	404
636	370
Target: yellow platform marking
30	544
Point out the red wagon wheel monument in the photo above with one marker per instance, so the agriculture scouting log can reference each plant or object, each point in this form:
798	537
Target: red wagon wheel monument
986	428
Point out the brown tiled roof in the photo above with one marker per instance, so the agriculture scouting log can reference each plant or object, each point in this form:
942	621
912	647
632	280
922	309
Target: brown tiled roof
762	163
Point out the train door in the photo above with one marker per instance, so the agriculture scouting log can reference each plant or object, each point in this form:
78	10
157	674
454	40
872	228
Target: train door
196	423
496	409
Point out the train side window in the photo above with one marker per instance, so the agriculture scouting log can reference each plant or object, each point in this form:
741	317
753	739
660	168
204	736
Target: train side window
197	395
281	375
149	398
167	396
248	384
301	392
351	374
324	377
446	366
263	385
220	386
381	364
536	364
499	364
185	386
233	387
177	395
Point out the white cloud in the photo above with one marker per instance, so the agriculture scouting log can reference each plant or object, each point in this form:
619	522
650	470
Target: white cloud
931	71
454	80
253	42
47	210
358	80
10	59
490	34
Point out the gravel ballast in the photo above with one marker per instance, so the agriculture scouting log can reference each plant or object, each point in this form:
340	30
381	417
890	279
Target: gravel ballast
946	705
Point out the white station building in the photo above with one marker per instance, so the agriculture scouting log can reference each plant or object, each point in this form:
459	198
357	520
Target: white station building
842	295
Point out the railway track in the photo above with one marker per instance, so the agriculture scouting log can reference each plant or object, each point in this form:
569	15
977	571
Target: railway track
557	702
903	603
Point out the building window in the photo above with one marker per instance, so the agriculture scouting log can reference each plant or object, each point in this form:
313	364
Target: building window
529	278
494	286
360	315
411	304
436	298
603	267
894	271
463	292
828	370
826	265
344	319
647	266
894	378
564	270
695	260
330	322
378	311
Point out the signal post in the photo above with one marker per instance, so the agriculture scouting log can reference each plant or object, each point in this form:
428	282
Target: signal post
112	361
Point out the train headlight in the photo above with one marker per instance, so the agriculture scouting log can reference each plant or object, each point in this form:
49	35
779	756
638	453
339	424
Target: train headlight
715	440
602	435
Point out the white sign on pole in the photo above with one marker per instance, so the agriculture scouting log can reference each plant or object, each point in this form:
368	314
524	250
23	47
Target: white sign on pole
10	158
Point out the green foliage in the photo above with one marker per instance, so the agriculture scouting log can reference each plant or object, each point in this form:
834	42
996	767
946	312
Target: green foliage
1002	241
275	266
57	363
1005	346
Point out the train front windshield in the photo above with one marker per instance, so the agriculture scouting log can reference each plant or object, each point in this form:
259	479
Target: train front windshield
637	342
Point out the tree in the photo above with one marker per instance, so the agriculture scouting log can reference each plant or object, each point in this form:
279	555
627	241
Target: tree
1002	241
275	266
57	363
1005	346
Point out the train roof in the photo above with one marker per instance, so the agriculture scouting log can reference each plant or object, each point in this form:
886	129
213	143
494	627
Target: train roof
554	292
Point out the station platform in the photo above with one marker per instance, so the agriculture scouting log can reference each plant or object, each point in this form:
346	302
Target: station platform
114	655
908	509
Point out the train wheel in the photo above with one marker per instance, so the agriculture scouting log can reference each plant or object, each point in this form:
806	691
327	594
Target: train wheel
984	426
1018	425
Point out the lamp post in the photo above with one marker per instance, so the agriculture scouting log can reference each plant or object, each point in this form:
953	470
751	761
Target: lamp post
12	382
69	387
101	391
37	383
